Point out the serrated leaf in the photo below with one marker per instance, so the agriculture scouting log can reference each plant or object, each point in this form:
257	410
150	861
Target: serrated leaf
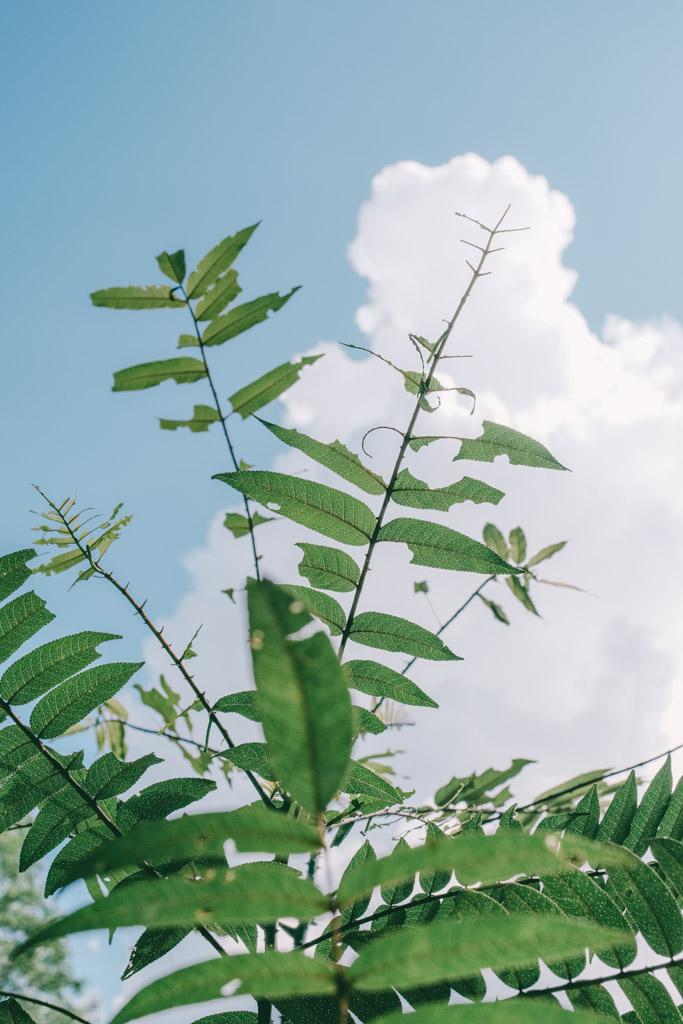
517	545
391	633
650	903
324	607
378	680
335	456
12	1013
241	703
593	997
156	296
451	949
172	264
498	611
75	698
442	548
269	387
303	700
616	824
239	525
671	824
650	999
202	418
495	540
547	552
417	494
521	593
31	676
243	317
181	369
650	810
151	946
217	261
366	721
586	817
321	508
20	619
13	571
252	829
400	891
109	776
416	443
355	908
267	975
252	757
218	297
669	854
161	799
578	895
499	440
361	779
52	824
328	568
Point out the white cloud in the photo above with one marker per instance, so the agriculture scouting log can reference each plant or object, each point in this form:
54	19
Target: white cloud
595	683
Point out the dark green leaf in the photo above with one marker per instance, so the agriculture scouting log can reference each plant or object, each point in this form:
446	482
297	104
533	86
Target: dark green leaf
217	261
231	1017
202	418
12	1013
108	776
417	494
241	703
239	525
650	810
616	824
181	369
14	571
587	815
53	823
357	907
328	568
499	440
593	997
521	593
172	264
38	671
391	633
75	698
335	456
650	999
303	699
471	789
156	296
324	509
151	946
544	553
241	318
518	545
269	387
671	824
19	620
577	895
521	1010
669	853
650	903
378	680
442	548
322	606
269	975
399	892
218	297
162	798
495	540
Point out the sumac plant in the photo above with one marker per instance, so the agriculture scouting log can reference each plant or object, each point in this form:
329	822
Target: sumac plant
469	909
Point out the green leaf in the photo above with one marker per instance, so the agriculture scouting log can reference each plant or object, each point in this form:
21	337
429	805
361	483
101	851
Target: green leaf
578	895
218	297
649	902
231	1017
328	568
12	1013
303	699
252	757
650	810
324	607
182	369
451	949
151	946
335	456
30	677
442	548
202	418
19	620
108	776
417	494
268	975
399	892
217	261
593	997
499	440
269	387
253	830
650	999
172	264
324	509
616	824
361	779
378	680
495	540
156	296
356	908
586	817
669	854
366	721
241	703
520	1010
544	553
243	317
416	443
391	633
474	788
521	593
498	611
160	799
260	892
518	545
13	571
239	525
671	824
53	823
75	698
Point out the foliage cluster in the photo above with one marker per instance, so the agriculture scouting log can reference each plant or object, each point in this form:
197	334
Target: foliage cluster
527	913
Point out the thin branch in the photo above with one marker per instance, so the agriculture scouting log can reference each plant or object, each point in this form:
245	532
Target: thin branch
43	1002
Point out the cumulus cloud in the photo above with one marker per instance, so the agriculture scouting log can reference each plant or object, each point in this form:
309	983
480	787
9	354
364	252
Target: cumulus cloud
597	680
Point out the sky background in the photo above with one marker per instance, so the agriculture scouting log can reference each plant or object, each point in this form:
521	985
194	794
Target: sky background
140	127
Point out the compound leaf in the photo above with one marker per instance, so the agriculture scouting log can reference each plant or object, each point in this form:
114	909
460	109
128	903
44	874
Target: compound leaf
19	620
13	571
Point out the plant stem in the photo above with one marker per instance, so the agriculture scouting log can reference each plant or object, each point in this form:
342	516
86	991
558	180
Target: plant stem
226	435
437	353
44	1002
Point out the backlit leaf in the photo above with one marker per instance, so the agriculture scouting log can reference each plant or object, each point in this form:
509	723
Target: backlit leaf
499	440
241	318
520	1010
31	676
442	548
268	387
335	456
322	606
217	261
378	680
156	296
324	509
649	902
202	418
391	633
182	369
239	525
328	568
19	620
218	297
417	494
75	698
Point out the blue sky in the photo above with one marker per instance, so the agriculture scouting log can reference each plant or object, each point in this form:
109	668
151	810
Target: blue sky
140	126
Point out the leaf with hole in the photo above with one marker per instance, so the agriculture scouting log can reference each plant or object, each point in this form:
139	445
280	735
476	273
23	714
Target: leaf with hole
202	418
156	296
440	547
220	295
499	440
417	494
